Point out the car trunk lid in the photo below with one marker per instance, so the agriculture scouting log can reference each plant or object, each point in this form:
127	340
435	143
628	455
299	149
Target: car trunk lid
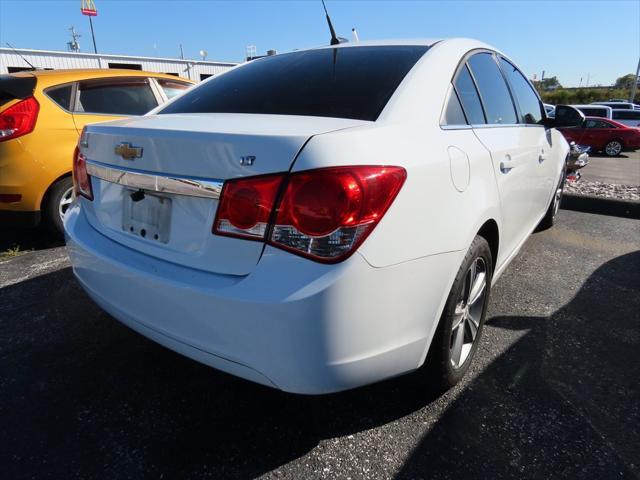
156	179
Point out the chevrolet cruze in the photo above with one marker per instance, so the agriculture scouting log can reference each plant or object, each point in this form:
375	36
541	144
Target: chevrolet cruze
323	219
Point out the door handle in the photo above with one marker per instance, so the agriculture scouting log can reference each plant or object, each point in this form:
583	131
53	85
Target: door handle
508	164
542	157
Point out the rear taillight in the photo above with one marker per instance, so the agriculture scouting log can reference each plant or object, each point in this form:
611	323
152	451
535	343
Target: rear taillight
19	119
322	214
81	179
246	205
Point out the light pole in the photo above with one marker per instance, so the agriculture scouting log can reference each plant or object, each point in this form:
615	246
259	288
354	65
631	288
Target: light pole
88	8
634	86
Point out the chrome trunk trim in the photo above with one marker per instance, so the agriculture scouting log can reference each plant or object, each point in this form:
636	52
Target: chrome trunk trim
157	183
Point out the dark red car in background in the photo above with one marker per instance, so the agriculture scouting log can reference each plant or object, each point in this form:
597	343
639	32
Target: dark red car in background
602	134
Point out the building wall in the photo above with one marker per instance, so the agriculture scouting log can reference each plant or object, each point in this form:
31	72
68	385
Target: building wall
192	69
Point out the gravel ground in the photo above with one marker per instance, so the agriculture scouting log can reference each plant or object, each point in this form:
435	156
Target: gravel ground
553	391
601	189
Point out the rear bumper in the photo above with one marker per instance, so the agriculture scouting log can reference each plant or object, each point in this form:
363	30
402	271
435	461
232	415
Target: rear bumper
18	219
292	324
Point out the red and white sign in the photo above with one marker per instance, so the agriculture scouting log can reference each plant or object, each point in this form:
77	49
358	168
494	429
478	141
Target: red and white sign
88	7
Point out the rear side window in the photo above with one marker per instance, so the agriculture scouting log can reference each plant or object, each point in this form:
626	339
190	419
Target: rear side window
347	82
61	95
493	90
116	96
530	106
172	88
468	96
454	115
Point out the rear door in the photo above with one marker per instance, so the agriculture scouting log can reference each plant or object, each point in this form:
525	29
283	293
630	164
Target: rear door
533	134
104	99
513	150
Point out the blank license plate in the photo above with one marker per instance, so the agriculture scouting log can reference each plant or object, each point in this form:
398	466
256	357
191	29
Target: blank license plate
149	217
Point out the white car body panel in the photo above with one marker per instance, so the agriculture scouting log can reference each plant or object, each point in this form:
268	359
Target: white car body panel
285	321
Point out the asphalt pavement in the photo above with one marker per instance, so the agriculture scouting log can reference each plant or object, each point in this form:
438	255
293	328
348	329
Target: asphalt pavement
621	170
553	393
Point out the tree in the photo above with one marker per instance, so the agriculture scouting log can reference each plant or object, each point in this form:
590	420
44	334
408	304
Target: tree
626	81
547	84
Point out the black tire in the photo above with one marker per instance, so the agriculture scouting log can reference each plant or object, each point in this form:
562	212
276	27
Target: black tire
613	148
51	208
550	218
440	368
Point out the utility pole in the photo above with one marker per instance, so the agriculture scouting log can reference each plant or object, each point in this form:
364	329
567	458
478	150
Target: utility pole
634	87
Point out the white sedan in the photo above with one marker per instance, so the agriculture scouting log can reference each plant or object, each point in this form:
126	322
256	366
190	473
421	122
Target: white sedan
323	219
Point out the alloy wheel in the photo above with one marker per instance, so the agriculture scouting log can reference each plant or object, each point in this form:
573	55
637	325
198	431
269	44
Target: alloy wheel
613	148
468	313
65	201
557	200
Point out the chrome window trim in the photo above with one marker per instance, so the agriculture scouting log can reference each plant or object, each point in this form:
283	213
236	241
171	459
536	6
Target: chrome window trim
497	125
456	127
191	187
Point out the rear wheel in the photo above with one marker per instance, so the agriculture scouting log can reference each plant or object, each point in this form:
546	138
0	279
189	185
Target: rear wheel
58	201
456	340
549	219
613	148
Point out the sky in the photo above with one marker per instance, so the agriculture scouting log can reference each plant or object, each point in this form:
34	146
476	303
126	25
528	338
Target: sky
575	40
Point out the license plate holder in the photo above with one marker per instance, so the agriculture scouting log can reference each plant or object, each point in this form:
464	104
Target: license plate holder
145	215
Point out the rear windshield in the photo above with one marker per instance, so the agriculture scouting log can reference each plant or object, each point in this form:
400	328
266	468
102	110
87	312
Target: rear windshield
351	82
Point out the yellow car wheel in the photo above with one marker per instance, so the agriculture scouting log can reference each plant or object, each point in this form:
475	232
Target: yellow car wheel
56	204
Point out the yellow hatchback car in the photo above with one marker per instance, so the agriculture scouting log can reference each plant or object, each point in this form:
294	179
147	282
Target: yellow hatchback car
41	116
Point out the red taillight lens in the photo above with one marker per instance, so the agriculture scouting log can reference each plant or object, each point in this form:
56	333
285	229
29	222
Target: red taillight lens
246	205
326	214
19	119
322	214
81	179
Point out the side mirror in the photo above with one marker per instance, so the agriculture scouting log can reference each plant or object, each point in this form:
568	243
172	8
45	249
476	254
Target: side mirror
566	116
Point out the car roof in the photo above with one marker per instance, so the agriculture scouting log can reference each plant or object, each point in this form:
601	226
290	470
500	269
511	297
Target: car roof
53	77
387	42
427	42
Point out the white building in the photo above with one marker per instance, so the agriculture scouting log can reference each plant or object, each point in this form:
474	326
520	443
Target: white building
11	61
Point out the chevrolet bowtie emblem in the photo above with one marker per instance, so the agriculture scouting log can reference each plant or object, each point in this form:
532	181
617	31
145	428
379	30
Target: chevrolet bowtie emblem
128	151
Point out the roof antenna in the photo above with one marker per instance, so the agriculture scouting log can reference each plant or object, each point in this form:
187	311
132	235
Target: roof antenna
334	38
20	55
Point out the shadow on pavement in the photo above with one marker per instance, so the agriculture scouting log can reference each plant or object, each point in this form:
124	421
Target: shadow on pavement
84	396
28	239
605	156
562	402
